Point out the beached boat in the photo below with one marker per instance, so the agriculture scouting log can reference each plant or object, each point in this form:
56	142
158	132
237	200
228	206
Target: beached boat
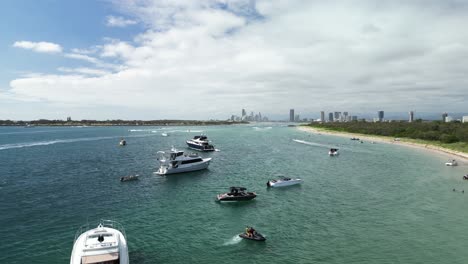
200	143
252	234
129	178
333	152
283	181
236	194
176	161
451	163
104	244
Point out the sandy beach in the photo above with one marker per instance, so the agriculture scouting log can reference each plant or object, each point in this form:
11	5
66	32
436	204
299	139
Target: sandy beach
461	157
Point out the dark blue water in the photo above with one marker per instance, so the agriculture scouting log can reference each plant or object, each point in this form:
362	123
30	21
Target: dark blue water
375	203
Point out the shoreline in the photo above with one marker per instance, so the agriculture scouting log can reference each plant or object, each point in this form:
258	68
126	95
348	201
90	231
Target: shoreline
461	156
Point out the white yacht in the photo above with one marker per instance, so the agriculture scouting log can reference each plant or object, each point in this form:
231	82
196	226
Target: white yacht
451	163
283	181
200	143
176	161
104	244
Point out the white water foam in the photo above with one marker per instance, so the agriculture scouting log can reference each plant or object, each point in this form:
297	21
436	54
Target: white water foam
233	240
312	143
50	142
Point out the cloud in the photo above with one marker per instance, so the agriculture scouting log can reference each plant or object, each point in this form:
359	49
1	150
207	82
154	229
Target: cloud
42	47
113	21
85	71
270	56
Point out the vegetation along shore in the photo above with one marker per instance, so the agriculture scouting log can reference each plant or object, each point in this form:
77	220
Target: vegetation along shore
448	138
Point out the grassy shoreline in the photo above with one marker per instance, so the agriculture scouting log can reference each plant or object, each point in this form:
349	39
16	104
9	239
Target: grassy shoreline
459	149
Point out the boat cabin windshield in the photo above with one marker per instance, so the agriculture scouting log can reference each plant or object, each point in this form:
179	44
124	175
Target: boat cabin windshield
176	154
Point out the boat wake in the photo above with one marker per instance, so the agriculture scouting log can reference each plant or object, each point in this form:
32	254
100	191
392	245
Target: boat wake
233	240
50	142
217	150
313	143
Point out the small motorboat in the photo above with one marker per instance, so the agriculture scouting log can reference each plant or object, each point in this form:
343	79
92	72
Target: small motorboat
236	194
333	152
252	234
451	163
465	177
353	138
283	181
164	134
129	178
123	142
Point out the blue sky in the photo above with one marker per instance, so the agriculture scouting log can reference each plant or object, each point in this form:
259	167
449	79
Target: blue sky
154	59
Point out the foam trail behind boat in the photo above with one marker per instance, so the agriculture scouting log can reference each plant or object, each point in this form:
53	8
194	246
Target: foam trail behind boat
233	240
313	143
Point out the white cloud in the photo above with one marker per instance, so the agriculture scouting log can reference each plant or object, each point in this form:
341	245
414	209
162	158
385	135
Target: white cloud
270	56
43	47
84	70
113	21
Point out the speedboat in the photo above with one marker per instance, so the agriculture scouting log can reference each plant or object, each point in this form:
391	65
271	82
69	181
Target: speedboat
122	142
104	244
333	152
451	163
164	134
200	143
283	181
176	161
129	178
465	177
252	234
236	194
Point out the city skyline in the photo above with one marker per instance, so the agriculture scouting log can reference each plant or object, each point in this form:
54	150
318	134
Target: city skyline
139	59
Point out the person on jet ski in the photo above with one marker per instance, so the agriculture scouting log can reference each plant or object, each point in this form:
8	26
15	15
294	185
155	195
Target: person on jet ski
251	232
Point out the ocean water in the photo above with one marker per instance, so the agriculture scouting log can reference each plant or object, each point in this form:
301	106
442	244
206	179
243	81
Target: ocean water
375	203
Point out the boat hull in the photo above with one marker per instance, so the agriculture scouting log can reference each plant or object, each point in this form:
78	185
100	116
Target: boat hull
187	168
257	237
230	198
200	147
284	183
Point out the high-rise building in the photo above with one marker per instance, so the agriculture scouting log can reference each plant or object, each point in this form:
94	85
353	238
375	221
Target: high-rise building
330	117
345	117
465	119
322	116
444	117
411	116
337	116
381	115
353	118
291	115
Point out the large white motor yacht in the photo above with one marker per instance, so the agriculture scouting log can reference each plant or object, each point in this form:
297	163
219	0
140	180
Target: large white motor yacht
176	161
104	244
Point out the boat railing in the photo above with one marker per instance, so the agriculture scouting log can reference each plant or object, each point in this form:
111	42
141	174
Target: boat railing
104	223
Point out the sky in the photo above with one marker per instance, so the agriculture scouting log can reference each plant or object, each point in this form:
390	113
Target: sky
208	59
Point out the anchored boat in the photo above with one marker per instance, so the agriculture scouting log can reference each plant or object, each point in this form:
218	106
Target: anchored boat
104	244
283	181
333	152
236	194
176	161
200	143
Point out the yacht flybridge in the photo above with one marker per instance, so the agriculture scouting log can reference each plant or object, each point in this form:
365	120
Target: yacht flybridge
176	161
104	244
200	143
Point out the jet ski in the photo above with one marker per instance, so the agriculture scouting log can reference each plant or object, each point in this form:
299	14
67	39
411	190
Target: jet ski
255	236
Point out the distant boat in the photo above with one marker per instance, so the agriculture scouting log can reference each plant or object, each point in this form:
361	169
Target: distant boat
176	162
333	152
451	163
104	244
123	142
129	178
200	143
283	181
164	134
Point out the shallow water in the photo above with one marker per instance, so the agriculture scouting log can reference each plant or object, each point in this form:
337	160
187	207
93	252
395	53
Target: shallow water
375	203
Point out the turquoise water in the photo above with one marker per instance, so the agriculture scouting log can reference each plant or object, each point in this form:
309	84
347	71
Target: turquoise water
375	203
